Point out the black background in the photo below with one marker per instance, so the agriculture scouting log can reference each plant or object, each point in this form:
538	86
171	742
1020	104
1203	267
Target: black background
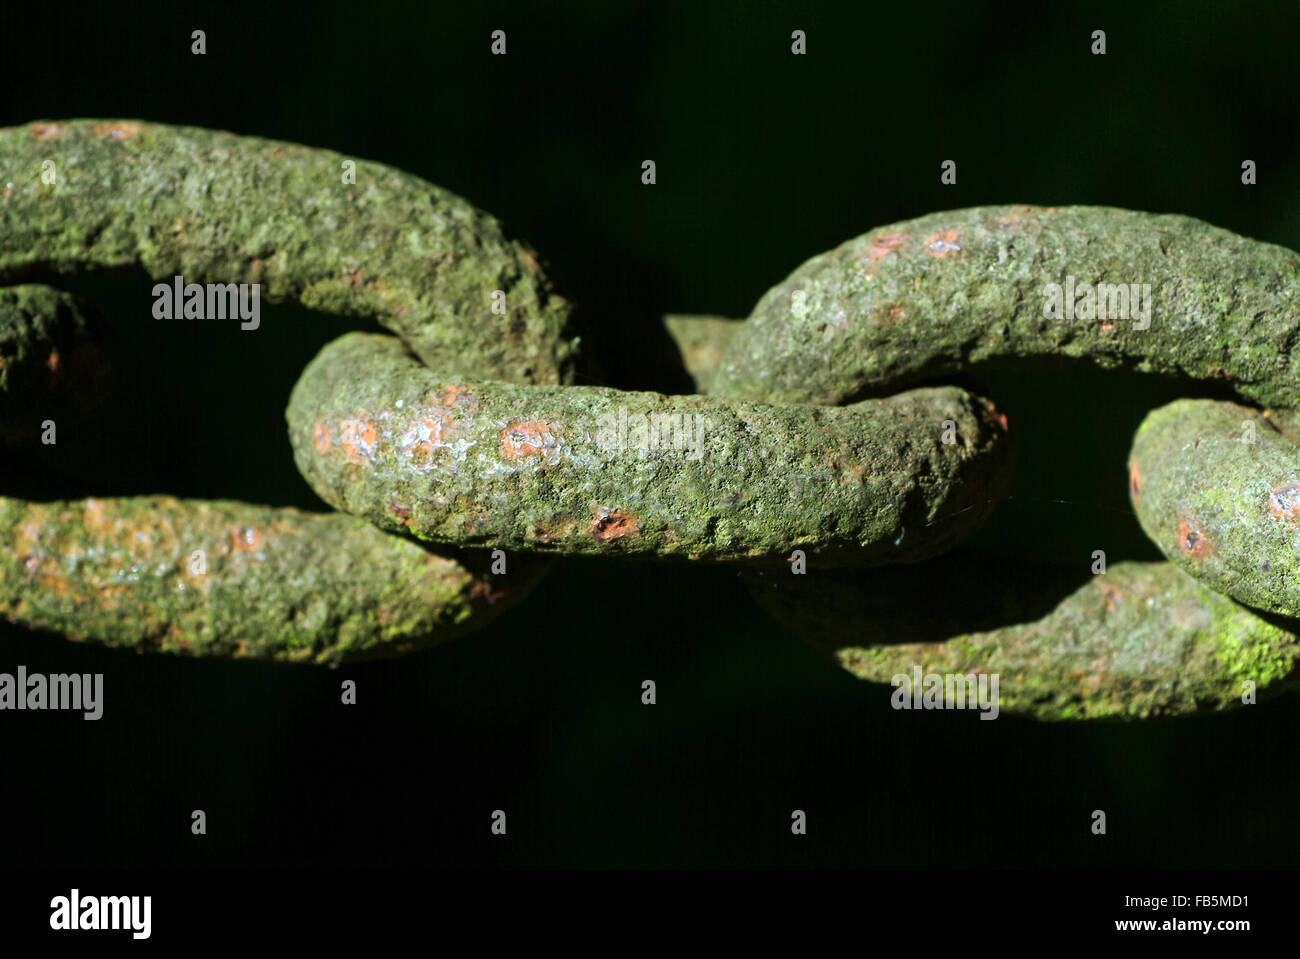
764	159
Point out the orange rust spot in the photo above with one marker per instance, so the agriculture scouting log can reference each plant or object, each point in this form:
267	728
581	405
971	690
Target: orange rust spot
994	418
117	131
483	589
354	277
1134	481
525	440
433	428
1284	502
320	438
943	243
610	524
400	512
1107	326
1112	596
895	312
422	436
884	245
456	394
358	440
1191	540
246	538
47	131
53	361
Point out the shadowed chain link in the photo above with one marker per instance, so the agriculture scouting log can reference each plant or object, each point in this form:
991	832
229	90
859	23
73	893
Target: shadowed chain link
1121	290
466	431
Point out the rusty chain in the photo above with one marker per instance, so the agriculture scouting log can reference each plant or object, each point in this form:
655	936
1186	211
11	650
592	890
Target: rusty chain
466	430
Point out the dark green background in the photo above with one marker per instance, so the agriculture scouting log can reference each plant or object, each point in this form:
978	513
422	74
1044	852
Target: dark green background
764	159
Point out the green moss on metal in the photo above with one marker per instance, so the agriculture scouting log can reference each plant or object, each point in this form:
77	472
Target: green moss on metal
1217	487
311	227
930	296
215	207
702	342
472	453
221	578
1141	640
565	469
926	298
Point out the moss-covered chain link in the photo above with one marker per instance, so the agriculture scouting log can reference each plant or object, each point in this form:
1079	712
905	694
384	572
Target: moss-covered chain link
1216	485
563	469
480	442
225	578
466	430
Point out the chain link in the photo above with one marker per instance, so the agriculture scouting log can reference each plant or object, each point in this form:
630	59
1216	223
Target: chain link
1122	290
794	459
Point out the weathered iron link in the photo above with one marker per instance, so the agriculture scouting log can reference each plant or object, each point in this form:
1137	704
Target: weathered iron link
487	451
221	578
1141	640
224	578
387	246
1121	289
589	470
1216	485
488	445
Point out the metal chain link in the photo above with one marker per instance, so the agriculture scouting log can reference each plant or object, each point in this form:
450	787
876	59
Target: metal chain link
795	458
1215	485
